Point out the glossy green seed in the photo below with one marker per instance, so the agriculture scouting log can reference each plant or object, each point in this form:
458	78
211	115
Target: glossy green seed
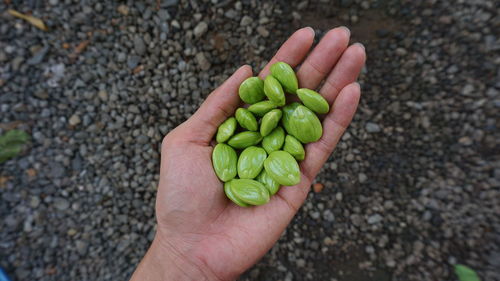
288	110
244	139
274	91
283	168
246	119
262	107
313	100
226	130
224	161
271	185
250	162
251	90
287	113
250	191
302	123
231	196
284	73
274	141
270	121
294	147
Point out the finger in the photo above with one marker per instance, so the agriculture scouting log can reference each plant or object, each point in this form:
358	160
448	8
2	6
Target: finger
323	58
334	126
345	72
293	50
218	106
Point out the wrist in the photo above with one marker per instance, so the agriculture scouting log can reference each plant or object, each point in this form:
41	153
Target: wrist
164	262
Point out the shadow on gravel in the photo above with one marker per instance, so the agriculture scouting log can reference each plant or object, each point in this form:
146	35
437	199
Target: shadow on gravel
368	27
365	25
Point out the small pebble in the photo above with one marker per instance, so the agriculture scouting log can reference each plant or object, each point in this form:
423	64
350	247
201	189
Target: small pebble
318	187
74	120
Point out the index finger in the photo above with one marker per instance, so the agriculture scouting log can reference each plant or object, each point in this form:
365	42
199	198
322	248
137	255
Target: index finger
293	51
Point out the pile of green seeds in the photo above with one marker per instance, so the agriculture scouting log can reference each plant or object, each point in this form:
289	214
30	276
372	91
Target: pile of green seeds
257	157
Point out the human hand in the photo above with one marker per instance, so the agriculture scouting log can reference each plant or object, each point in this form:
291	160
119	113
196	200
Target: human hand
201	234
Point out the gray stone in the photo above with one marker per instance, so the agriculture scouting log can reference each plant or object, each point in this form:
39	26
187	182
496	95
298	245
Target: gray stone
467	90
369	249
142	139
372	127
362	177
376	218
121	57
200	29
13	221
465	141
346	3
315	215
61	204
169	3
165	28
492	92
39	56
139	45
81	247
263	31
357	220
246	20
202	61
401	52
232	14
133	61
328	215
163	15
494	259
34	202
56	170
74	120
103	95
123	9
16	63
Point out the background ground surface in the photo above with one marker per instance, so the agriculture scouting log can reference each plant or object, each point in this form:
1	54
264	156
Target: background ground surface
412	189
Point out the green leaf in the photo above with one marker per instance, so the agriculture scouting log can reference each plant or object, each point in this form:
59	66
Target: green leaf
465	273
14	137
11	144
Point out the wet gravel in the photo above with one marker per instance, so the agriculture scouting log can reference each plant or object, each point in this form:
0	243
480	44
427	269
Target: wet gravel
412	189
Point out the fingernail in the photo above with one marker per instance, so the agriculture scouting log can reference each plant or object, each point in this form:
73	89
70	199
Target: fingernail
361	45
347	30
359	85
311	29
244	67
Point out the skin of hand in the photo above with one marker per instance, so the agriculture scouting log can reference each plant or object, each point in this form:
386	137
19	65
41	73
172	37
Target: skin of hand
202	235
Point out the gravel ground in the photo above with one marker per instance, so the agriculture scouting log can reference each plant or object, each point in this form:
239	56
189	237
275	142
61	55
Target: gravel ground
412	189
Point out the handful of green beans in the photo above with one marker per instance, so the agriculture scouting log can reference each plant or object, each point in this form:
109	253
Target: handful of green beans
257	150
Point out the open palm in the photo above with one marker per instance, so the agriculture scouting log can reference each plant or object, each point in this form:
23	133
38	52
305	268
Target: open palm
199	229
